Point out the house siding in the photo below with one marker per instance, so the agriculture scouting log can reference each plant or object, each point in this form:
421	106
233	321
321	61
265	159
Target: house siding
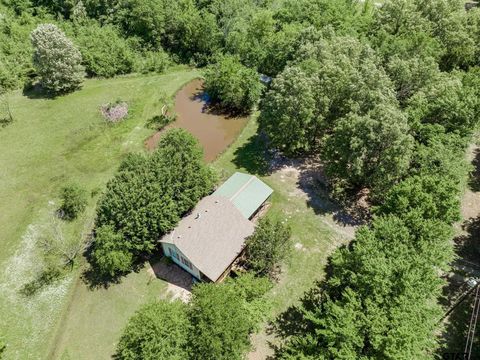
170	247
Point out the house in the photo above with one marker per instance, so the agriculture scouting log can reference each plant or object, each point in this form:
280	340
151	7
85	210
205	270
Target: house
207	241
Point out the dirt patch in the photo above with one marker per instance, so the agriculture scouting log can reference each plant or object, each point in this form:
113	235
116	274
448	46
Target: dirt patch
152	142
179	282
311	185
214	131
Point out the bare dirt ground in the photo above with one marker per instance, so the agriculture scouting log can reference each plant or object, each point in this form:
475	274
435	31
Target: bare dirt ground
179	282
312	185
467	265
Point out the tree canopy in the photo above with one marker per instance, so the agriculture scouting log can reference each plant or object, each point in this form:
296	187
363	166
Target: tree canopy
56	59
148	195
158	330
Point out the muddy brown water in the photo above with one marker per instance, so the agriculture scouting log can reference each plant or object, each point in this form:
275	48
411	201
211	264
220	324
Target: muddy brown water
214	131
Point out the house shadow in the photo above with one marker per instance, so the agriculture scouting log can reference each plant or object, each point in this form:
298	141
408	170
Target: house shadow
168	271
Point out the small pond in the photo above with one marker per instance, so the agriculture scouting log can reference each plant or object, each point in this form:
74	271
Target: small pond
214	131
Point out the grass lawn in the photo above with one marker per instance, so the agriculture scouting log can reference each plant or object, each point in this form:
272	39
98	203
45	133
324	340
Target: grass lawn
65	140
95	318
51	143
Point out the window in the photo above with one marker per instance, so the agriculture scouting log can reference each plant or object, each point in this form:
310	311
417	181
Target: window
173	253
186	262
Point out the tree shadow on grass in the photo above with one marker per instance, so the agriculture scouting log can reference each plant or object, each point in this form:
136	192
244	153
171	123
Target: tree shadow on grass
295	321
253	156
351	210
36	92
453	337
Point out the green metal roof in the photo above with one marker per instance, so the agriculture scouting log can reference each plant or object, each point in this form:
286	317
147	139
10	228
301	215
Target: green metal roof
245	191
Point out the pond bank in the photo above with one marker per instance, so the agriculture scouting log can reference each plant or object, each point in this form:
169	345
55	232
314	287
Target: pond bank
214	131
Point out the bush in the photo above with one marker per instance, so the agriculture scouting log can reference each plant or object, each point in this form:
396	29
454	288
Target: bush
268	247
114	112
157	331
153	61
104	52
108	254
74	201
233	86
56	59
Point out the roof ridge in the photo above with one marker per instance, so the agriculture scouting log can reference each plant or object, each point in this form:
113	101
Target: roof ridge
253	177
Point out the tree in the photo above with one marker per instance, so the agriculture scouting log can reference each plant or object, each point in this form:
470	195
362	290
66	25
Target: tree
410	75
74	201
428	196
380	300
446	102
268	247
288	113
110	256
56	60
148	195
333	76
224	315
156	331
104	52
233	86
372	150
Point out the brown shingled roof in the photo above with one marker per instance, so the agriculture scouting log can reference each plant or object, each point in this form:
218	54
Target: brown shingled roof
212	235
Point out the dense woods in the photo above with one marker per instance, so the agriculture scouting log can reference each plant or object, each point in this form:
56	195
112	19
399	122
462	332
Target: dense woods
385	97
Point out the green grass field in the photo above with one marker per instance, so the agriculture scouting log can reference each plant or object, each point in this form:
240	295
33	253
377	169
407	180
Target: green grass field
56	141
51	143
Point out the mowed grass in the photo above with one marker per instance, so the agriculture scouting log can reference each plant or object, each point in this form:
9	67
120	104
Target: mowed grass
53	142
94	319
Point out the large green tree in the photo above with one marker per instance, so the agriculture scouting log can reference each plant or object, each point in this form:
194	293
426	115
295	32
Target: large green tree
373	150
288	112
380	300
156	331
334	76
224	315
233	86
56	59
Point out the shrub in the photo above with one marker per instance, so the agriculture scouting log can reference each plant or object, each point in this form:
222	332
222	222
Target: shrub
153	61
56	59
74	201
104	52
233	86
114	112
108	255
157	331
268	247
